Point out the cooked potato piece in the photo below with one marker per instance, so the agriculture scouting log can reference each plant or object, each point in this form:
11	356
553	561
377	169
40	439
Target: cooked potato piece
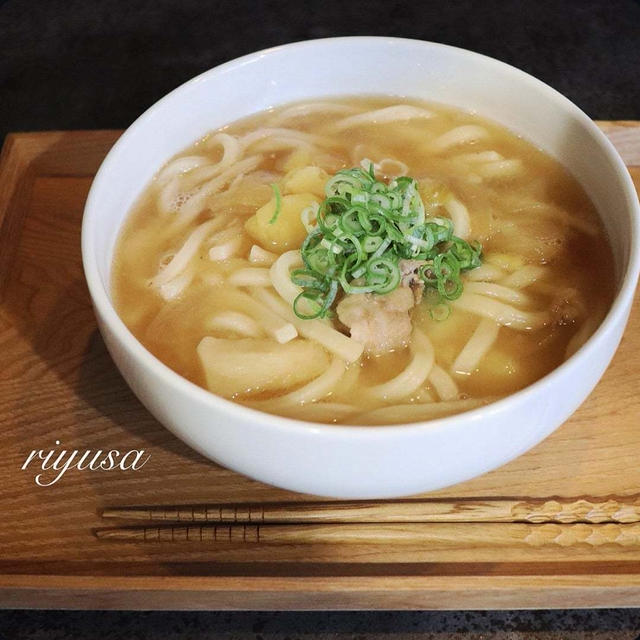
508	261
447	336
296	159
249	366
499	370
306	180
286	231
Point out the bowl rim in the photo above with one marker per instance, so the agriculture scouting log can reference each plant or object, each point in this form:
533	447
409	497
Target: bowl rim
224	407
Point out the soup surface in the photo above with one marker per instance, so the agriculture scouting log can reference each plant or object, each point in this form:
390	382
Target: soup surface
208	272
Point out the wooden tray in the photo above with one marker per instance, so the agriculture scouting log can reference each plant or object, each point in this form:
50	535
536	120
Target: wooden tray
57	382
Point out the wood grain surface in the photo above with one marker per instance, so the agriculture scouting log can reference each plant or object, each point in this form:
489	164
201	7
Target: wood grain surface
58	384
495	510
437	537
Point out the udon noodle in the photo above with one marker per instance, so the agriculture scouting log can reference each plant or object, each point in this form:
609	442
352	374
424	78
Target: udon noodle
203	267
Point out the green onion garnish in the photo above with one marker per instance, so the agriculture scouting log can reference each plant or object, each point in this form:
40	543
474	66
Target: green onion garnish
276	193
364	227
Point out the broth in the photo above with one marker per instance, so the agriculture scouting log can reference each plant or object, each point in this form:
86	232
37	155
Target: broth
186	267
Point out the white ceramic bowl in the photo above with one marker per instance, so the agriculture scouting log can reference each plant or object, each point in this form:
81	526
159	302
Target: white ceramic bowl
360	462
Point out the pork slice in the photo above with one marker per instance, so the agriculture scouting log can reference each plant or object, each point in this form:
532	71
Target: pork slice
411	278
379	322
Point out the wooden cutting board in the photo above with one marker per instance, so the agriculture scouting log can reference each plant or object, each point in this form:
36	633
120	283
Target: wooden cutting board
57	383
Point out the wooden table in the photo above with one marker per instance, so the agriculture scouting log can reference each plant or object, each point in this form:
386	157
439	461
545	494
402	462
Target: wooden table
57	383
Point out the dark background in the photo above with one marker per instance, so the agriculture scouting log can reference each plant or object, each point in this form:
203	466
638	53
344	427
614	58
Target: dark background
78	64
88	64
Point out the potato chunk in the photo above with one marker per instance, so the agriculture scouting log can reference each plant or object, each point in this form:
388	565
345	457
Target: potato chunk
286	231
297	159
508	261
249	366
306	180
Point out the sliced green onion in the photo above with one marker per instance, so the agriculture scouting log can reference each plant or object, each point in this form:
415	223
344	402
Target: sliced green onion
440	311
276	193
363	228
309	216
371	243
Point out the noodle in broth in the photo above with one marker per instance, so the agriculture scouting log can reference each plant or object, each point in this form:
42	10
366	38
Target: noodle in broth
202	269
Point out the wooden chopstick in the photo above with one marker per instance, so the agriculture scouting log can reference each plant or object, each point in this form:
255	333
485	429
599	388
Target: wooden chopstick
437	536
587	510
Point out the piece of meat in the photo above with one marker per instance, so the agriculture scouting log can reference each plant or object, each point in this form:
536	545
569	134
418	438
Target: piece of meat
411	278
379	322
